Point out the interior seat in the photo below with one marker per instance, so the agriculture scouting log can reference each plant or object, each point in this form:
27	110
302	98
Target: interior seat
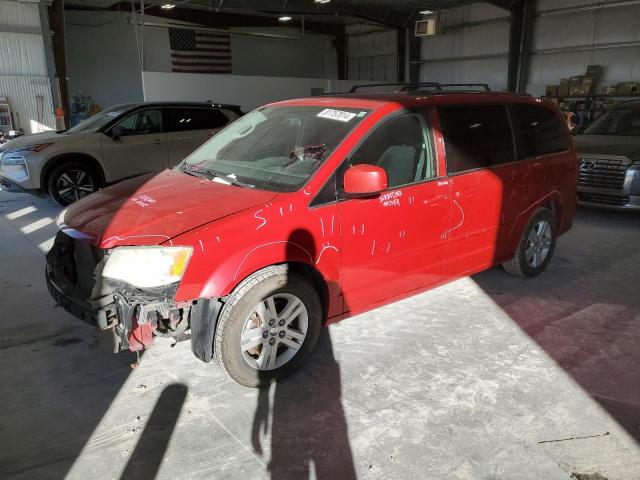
399	161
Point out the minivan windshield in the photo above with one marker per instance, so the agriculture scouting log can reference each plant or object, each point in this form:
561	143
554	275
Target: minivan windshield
275	148
617	121
100	119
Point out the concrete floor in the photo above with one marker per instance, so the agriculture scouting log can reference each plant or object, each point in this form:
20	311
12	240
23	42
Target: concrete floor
490	377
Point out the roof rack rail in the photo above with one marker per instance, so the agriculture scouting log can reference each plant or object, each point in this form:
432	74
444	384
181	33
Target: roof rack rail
405	85
413	86
483	86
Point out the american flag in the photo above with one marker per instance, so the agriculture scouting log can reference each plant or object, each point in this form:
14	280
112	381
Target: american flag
199	52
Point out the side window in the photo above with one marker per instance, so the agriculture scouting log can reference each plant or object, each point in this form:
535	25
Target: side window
184	119
538	131
401	147
142	123
476	136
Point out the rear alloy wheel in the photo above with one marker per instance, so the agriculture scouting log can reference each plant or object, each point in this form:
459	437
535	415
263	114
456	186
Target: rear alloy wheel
268	326
536	246
70	182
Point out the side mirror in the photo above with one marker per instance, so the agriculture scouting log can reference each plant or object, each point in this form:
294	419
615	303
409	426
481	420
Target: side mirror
364	180
117	132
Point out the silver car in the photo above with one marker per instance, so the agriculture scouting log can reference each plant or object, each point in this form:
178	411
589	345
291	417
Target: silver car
120	142
609	153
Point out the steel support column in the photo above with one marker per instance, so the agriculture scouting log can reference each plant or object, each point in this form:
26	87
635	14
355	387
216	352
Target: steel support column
520	35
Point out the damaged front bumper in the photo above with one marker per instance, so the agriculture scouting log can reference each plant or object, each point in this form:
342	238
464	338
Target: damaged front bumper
129	316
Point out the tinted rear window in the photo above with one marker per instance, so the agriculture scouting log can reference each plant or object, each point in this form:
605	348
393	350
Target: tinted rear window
476	136
538	131
182	119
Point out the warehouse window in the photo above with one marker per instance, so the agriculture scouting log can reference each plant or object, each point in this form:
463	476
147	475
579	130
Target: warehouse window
538	131
476	136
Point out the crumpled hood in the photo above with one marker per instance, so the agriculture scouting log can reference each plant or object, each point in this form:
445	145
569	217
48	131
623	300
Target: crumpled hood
608	145
27	140
154	208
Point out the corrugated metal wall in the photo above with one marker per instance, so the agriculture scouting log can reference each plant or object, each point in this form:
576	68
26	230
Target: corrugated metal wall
473	48
23	69
565	42
475	45
372	54
30	100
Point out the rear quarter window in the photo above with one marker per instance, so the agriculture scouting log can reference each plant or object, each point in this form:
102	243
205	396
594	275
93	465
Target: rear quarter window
476	136
538	131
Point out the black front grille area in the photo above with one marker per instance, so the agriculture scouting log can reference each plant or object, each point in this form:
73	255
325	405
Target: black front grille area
603	172
603	199
77	261
74	278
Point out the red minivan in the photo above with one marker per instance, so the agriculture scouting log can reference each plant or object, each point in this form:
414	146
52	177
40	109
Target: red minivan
307	211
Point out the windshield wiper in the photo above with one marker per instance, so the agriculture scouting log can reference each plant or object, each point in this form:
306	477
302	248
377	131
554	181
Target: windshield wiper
211	174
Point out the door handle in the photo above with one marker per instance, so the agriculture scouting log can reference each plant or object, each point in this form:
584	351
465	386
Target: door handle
157	141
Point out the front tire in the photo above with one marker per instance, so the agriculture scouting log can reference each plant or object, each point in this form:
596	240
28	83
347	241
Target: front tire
268	326
71	181
536	246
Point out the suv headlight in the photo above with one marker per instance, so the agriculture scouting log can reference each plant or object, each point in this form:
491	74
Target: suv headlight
634	170
14	166
9	160
147	267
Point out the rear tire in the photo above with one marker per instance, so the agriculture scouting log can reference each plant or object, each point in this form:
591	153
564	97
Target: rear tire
536	246
71	181
268	326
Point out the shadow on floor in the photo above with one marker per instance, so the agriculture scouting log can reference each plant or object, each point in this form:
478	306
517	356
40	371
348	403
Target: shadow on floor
584	311
308	426
146	459
66	387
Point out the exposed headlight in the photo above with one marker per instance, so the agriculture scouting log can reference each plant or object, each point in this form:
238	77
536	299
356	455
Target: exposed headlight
147	267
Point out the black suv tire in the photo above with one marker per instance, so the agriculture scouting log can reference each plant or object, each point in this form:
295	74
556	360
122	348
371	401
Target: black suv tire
71	181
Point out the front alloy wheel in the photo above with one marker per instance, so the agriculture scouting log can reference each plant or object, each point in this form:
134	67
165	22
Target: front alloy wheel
274	332
268	326
74	185
69	182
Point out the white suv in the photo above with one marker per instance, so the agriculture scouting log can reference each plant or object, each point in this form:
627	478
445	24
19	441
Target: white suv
120	142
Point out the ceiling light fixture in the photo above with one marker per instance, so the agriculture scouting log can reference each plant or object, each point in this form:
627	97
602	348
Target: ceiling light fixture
322	1
285	19
427	12
168	6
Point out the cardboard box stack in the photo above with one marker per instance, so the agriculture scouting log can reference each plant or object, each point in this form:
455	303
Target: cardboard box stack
578	85
628	88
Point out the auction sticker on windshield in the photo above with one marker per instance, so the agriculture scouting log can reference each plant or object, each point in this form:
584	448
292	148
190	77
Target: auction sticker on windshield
336	115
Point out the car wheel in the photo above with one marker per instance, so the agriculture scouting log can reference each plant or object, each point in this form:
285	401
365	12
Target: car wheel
70	182
536	246
268	326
